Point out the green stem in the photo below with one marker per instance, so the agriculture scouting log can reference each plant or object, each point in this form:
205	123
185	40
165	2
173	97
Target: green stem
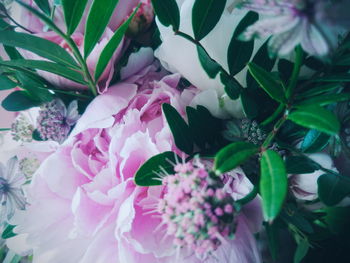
274	131
296	71
278	111
249	197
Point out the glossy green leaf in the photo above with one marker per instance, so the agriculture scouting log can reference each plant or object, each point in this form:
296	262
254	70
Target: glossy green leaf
232	87
46	66
333	188
273	184
233	155
39	46
301	251
18	101
239	52
99	15
73	12
300	165
179	128
167	12
8	232
249	104
148	173
210	66
326	99
205	15
315	117
314	141
112	46
268	82
6	83
44	6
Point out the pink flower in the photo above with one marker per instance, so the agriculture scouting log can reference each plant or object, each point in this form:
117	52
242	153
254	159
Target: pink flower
28	20
84	204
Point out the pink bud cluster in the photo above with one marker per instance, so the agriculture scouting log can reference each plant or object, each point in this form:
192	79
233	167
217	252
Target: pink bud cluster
196	209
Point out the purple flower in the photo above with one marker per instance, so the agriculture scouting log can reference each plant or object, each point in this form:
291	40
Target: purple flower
292	22
55	120
11	194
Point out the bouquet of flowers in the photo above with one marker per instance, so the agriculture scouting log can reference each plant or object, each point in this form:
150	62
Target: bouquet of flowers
174	131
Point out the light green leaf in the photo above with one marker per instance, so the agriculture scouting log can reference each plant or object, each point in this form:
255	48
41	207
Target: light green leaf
273	184
73	12
205	15
111	46
315	117
233	155
99	15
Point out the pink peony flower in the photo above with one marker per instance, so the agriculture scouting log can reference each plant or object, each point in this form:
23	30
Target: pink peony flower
28	20
84	204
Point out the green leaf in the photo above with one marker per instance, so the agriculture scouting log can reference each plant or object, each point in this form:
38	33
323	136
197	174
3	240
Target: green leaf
315	117
205	15
18	101
343	61
301	252
6	83
272	232
99	15
167	12
239	52
179	128
73	12
47	66
332	188
335	78
326	99
249	104
111	46
273	184
263	60
12	52
148	173
314	141
318	90
8	232
210	66
232	87
268	82
233	155
39	46
300	165
44	6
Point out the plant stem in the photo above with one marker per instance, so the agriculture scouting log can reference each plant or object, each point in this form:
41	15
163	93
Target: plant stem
278	111
274	131
296	71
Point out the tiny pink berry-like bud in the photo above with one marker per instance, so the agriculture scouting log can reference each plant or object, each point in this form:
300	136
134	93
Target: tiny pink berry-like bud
198	211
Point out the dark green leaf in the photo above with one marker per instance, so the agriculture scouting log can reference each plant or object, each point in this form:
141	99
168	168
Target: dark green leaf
44	6
263	60
318	90
111	46
249	104
179	128
315	117
12	52
99	15
273	184
205	15
8	232
314	141
343	61
233	155
302	249
6	83
239	52
232	86
167	12
209	65
148	173
273	240
18	101
333	188
39	46
335	78
268	82
292	216
47	66
73	12
326	99
300	165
